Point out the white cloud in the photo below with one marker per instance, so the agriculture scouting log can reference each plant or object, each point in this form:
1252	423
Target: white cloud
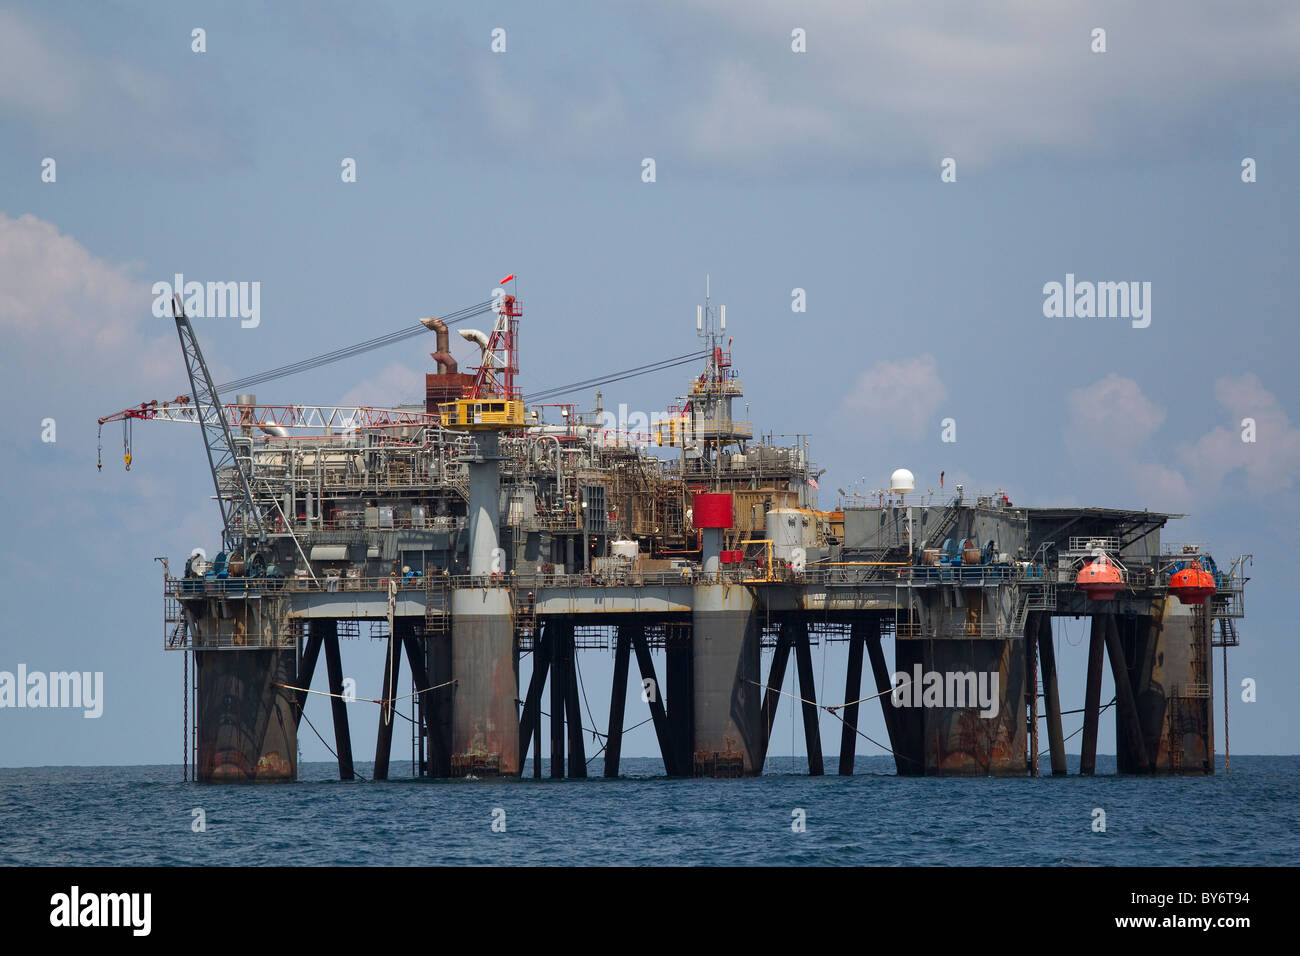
896	398
88	325
75	314
1112	414
1271	463
893	83
1112	426
741	122
396	384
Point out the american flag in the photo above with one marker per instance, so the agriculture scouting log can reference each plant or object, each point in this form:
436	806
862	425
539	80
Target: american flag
813	481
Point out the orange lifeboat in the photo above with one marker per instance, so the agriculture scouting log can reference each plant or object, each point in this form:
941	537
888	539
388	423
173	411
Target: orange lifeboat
1192	584
1099	579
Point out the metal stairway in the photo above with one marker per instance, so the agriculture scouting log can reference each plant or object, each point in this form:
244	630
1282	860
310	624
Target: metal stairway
934	537
1226	635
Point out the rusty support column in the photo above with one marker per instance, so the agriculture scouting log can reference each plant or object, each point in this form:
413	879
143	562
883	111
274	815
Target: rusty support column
557	700
1124	696
244	718
342	736
617	701
307	666
775	680
812	733
577	748
1051	695
485	665
726	682
647	668
852	691
388	709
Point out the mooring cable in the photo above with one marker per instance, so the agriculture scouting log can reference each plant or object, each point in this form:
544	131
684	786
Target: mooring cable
594	733
863	700
1100	711
604	745
876	742
784	693
366	700
831	709
304	716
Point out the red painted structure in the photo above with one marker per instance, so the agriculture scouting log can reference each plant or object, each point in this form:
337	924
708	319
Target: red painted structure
712	511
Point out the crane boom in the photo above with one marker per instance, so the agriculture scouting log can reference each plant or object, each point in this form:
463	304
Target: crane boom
239	509
274	419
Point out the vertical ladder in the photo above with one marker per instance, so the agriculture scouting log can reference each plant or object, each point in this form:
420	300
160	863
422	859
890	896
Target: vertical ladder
525	615
437	620
1175	705
185	719
194	721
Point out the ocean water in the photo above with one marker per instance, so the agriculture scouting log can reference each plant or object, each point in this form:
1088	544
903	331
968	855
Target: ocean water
144	815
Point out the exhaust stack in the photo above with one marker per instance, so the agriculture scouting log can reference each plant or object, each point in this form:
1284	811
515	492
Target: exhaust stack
446	364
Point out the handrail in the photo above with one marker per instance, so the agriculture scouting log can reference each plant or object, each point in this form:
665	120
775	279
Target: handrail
970	576
956	630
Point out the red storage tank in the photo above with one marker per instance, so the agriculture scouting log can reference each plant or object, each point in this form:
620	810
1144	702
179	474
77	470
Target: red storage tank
712	511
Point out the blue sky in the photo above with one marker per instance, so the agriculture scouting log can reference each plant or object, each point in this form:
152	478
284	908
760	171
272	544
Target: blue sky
775	170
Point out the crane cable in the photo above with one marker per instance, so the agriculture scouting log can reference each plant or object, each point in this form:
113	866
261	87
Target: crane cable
399	335
359	348
633	372
391	338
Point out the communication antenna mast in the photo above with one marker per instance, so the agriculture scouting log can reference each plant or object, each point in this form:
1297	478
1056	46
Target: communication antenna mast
710	324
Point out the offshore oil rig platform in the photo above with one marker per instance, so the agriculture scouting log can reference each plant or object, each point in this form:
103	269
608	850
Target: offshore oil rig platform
485	525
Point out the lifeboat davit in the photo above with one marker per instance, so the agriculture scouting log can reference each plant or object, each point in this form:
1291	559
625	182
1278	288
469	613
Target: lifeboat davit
1192	584
1099	579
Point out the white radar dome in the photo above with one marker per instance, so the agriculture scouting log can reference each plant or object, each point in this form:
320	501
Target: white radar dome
902	481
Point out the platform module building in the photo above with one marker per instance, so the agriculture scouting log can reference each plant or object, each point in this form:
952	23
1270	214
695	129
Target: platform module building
481	526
